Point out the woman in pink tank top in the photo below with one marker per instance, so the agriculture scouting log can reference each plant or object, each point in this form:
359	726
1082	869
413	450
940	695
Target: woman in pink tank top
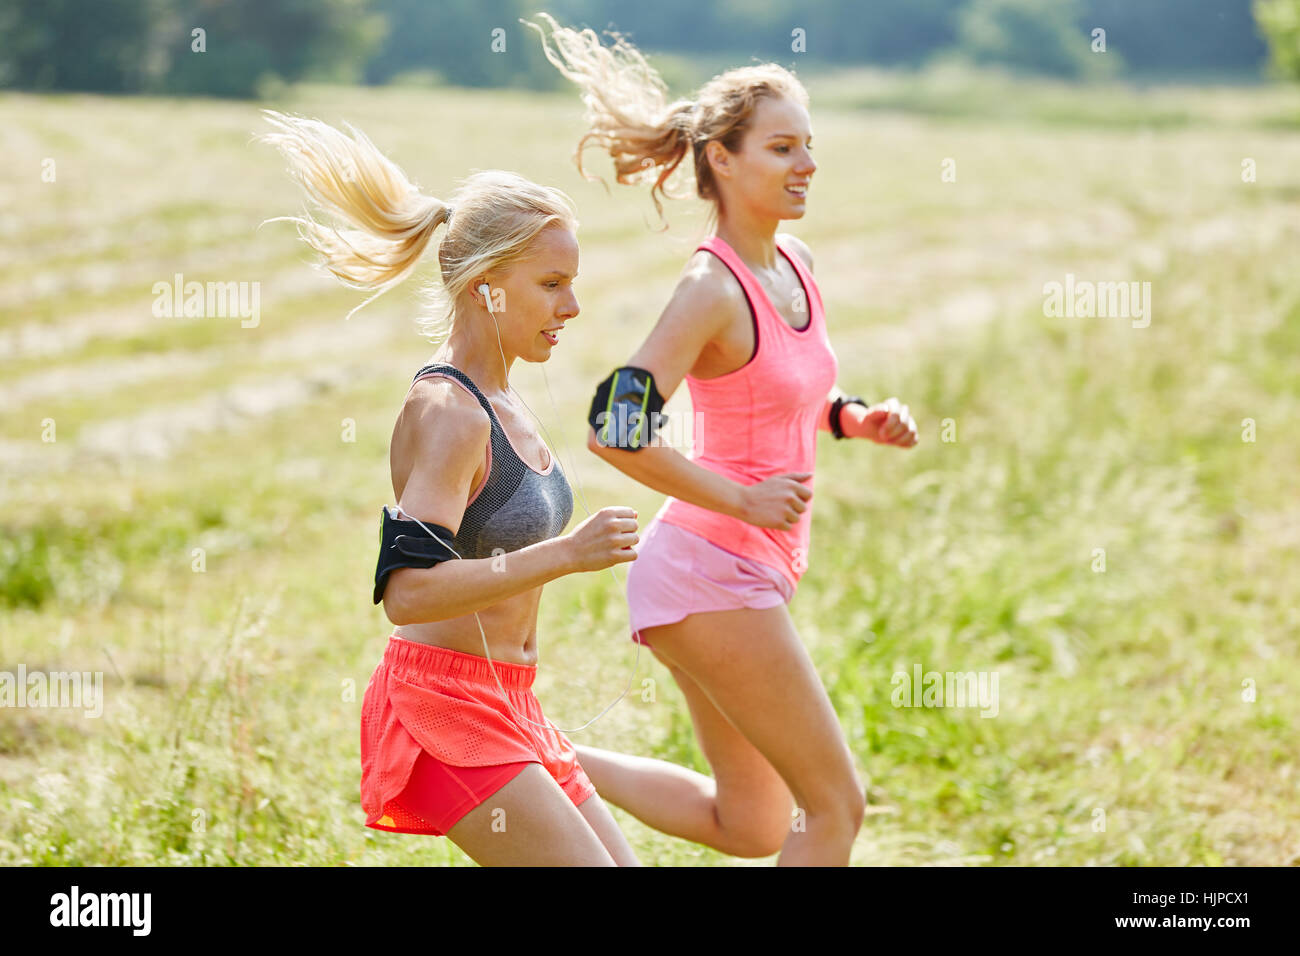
761	419
746	330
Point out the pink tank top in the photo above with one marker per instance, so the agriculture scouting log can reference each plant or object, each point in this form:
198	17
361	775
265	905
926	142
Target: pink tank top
761	419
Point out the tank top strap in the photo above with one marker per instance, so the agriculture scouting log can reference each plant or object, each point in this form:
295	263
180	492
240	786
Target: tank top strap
758	302
443	368
816	308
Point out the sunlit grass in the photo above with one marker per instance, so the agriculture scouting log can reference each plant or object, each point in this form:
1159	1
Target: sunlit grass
230	732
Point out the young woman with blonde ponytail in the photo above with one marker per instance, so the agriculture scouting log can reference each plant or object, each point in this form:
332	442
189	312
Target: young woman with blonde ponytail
745	328
453	741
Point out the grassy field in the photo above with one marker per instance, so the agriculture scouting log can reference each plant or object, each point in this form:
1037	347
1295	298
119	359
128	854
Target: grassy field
1104	531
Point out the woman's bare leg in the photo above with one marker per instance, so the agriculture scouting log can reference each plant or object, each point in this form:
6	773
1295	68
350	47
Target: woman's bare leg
743	810
753	672
599	818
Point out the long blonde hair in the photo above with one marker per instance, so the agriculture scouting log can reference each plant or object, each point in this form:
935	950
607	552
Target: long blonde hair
497	214
628	113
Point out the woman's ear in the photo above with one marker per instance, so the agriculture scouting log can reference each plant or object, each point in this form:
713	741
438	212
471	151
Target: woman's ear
718	158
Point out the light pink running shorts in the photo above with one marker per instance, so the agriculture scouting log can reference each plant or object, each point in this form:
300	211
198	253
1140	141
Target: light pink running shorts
678	573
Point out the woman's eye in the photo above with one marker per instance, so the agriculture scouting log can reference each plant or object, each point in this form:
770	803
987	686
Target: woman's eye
783	149
552	285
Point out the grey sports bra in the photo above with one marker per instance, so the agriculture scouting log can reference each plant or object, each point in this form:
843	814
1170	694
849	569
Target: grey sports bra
516	506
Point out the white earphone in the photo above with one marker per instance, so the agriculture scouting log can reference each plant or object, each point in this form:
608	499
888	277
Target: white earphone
486	291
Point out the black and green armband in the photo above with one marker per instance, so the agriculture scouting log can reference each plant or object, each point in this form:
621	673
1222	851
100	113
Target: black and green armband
627	409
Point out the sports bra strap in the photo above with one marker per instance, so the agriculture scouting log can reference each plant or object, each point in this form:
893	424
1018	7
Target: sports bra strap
456	375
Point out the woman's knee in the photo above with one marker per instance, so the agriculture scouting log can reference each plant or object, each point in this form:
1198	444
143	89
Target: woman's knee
758	831
839	804
767	842
835	814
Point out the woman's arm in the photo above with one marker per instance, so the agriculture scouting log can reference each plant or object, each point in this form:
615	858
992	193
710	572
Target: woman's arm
668	471
888	423
449	431
705	302
702	306
446	432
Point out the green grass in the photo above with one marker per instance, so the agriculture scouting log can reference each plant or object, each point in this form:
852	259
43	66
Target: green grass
230	730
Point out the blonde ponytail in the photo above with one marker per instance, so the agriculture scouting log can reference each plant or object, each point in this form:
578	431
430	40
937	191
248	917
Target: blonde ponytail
497	215
351	180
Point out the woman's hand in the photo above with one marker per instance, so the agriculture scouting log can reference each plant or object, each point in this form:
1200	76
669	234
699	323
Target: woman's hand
776	502
887	423
604	539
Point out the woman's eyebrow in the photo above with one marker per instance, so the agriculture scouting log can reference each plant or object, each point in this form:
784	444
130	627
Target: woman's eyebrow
785	136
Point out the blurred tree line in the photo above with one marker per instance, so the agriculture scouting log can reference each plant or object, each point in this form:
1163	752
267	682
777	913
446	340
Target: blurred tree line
214	47
1280	22
239	47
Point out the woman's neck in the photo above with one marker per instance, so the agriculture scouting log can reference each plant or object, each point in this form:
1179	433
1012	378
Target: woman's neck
753	239
476	352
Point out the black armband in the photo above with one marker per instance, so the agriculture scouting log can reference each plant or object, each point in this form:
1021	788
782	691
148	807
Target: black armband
837	406
404	544
626	411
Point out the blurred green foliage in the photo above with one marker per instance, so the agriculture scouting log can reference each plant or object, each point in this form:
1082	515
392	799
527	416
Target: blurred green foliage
437	37
216	47
64	44
251	45
1027	34
1279	21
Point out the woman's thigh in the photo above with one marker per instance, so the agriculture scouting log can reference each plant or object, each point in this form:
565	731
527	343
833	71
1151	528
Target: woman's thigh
749	790
530	822
753	669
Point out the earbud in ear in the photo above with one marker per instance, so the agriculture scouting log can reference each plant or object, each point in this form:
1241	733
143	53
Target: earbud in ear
486	291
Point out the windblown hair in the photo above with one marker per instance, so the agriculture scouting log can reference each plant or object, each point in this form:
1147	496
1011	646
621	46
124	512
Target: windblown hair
629	116
497	214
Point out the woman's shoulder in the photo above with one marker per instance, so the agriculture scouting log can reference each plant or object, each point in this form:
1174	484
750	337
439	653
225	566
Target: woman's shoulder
708	284
441	391
438	441
797	246
440	411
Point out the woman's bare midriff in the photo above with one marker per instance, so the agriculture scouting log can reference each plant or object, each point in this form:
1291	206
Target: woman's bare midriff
510	626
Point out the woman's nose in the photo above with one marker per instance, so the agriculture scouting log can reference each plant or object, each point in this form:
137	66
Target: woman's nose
570	306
